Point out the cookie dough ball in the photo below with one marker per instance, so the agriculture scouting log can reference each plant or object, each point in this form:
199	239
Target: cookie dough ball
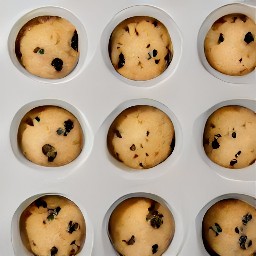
47	46
229	228
140	48
141	226
53	225
230	45
50	136
230	137
141	137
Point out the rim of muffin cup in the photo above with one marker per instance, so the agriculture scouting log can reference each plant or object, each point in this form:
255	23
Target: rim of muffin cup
241	174
49	11
87	142
161	168
200	216
20	249
177	240
234	8
146	11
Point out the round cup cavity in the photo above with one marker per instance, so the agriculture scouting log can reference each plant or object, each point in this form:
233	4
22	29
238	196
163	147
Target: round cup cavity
238	8
17	240
49	11
87	135
128	172
148	11
176	242
199	218
243	174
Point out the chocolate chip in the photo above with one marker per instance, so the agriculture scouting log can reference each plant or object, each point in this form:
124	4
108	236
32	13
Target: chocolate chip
243	18
233	162
135	156
234	135
249	38
57	64
132	147
154	217
29	121
242	242
141	165
154	53
155	23
37	119
147	133
237	154
221	38
131	241
168	58
54	251
240	60
53	213
154	248
237	230
216	228
39	50
148	46
118	134
157	61
72	226
74	41
246	218
215	144
127	29
49	151
137	33
121	61
39	202
69	125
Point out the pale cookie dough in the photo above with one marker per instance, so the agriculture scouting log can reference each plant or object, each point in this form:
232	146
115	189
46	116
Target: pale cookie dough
140	48
230	137
52	226
230	45
141	137
229	228
141	226
47	46
50	136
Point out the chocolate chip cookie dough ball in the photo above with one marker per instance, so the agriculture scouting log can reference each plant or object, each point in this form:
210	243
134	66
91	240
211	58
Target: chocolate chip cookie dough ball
47	46
141	226
53	225
140	48
230	45
50	136
141	137
230	137
229	228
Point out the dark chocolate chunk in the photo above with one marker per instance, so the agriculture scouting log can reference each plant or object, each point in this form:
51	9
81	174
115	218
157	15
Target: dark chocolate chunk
53	213
132	147
246	218
131	241
248	38
242	242
38	50
121	61
157	61
37	119
118	134
154	248
221	38
39	202
215	143
154	53
74	41
233	162
216	228
234	135
147	133
49	151
54	251
69	125
238	153
72	226
154	217
57	64
237	230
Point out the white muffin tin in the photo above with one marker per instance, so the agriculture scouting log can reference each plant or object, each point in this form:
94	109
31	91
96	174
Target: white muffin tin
188	91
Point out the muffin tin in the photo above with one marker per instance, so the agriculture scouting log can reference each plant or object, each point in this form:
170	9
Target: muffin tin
188	91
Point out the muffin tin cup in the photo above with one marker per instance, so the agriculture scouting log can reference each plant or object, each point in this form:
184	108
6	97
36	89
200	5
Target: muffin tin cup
188	92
